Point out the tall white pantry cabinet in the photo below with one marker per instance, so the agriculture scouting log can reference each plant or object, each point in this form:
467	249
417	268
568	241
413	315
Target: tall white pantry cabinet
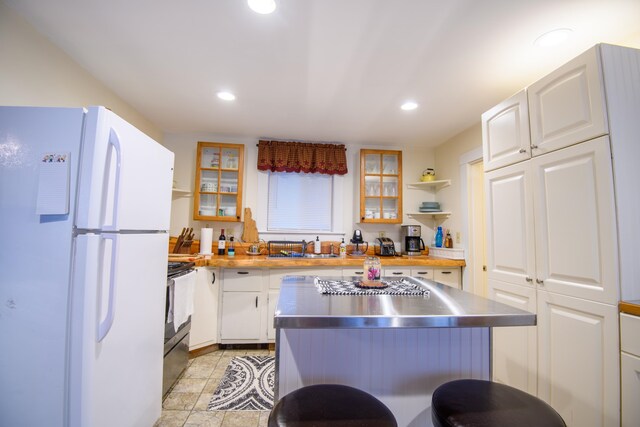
563	229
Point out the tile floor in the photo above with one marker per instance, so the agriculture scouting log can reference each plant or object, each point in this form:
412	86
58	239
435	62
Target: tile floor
186	404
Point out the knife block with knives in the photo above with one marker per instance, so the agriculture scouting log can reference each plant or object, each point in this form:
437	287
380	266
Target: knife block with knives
184	241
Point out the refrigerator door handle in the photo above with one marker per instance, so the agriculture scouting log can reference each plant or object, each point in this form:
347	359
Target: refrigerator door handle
105	325
114	140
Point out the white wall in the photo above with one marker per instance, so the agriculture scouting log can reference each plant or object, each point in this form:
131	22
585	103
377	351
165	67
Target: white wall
184	145
447	157
35	72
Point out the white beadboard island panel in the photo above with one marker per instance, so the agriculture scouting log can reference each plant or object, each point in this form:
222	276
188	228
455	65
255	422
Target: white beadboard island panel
400	366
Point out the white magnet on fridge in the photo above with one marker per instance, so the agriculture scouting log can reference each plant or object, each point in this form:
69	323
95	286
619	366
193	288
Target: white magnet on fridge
53	184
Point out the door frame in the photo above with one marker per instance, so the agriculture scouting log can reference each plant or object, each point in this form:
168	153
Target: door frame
466	161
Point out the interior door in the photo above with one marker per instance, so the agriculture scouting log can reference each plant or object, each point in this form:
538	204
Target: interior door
576	235
510	225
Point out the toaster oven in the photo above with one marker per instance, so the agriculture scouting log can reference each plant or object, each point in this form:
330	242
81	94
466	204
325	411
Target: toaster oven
385	247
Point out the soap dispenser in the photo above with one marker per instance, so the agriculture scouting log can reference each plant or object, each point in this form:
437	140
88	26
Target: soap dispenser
317	246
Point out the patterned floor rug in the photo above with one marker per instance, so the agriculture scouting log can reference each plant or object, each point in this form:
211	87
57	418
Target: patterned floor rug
247	385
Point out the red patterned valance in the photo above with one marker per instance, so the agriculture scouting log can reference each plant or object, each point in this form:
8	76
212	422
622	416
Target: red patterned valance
284	156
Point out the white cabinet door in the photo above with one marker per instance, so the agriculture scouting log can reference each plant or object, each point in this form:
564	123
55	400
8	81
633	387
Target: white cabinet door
272	301
204	320
240	316
510	225
515	349
575	224
568	105
505	133
447	276
579	359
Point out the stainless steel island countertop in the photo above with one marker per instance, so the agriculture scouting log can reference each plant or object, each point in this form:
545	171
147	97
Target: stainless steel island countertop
301	305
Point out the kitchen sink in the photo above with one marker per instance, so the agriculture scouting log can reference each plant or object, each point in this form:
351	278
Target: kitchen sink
320	256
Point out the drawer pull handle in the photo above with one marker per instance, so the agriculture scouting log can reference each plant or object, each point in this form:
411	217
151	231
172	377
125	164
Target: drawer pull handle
213	278
256	302
446	272
522	150
359	272
423	272
243	272
397	273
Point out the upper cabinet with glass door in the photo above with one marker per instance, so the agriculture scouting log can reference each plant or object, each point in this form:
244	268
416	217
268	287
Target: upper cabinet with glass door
381	186
218	190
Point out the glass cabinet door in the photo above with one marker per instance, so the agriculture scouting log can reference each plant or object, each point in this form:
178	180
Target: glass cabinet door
218	192
381	186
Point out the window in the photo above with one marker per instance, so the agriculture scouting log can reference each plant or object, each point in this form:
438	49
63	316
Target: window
300	202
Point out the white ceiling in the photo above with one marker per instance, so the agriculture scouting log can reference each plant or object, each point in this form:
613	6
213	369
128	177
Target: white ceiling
324	70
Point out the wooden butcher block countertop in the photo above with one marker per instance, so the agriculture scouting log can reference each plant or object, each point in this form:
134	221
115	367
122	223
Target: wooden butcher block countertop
262	261
630	307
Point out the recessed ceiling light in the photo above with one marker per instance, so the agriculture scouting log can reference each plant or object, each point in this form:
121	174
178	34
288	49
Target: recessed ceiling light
227	96
553	37
409	105
262	6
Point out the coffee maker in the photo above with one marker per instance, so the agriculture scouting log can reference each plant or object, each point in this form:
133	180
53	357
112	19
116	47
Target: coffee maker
412	243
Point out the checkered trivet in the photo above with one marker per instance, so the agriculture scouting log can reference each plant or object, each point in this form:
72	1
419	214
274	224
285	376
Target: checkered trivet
347	287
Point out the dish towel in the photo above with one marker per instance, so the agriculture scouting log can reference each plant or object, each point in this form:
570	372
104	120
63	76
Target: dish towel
181	299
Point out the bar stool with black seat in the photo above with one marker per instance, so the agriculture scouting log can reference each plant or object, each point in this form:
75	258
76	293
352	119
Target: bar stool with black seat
323	405
478	403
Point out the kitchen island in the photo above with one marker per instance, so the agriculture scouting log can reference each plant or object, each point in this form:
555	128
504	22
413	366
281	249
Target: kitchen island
397	348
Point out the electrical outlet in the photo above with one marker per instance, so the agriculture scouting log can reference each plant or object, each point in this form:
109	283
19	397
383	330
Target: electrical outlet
457	237
381	234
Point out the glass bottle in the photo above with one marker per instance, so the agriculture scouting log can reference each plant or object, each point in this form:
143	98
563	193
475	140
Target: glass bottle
372	269
221	242
231	251
448	241
343	249
439	237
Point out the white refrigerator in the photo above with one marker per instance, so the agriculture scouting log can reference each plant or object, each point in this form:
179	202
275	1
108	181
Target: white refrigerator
84	212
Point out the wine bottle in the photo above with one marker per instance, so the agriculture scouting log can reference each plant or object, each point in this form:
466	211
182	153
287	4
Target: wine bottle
221	242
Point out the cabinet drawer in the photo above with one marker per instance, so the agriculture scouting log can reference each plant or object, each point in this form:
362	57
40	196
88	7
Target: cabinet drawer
424	273
356	271
629	333
396	272
447	276
276	276
242	279
630	377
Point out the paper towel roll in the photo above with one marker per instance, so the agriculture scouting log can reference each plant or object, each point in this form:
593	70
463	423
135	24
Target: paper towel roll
206	238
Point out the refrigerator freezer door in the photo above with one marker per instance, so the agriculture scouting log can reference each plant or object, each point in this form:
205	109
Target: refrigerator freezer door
125	177
117	380
35	264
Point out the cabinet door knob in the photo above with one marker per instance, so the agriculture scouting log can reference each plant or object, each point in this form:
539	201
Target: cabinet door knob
540	282
533	147
522	150
528	279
